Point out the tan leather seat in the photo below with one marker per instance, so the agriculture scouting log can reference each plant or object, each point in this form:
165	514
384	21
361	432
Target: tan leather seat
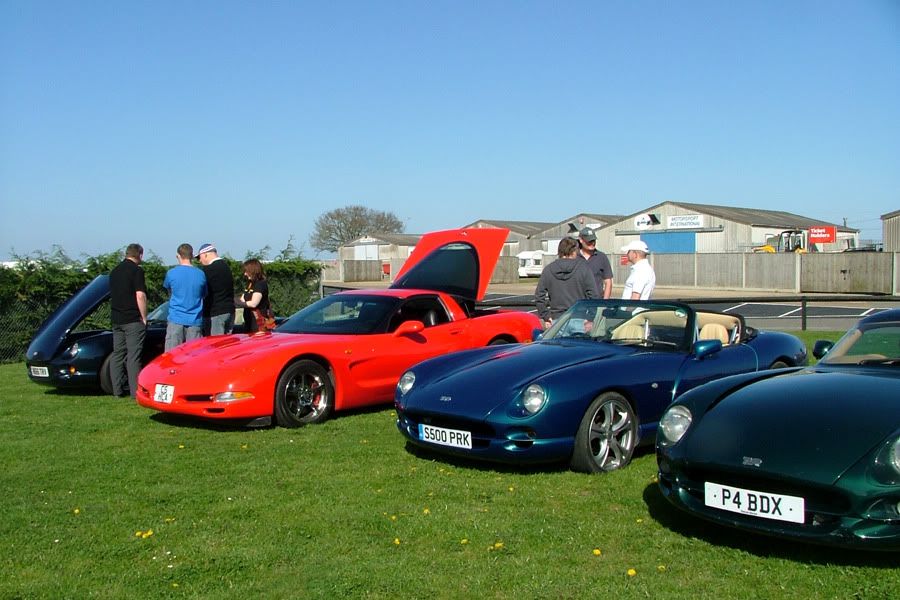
628	332
714	331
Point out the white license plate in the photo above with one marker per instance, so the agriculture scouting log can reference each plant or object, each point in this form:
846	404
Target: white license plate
164	393
445	437
40	372
758	504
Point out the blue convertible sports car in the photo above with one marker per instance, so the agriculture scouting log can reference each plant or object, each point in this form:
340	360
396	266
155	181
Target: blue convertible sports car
589	391
810	454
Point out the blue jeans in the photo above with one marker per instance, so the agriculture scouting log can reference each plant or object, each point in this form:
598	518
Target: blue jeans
128	348
219	324
178	334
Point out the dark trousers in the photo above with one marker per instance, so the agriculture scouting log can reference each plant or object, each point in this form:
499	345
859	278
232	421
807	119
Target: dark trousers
128	346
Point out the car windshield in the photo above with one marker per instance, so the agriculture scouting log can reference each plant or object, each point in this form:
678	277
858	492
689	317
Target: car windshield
875	343
160	313
342	314
625	322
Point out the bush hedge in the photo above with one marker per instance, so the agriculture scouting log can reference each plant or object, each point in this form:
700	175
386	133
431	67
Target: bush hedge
38	283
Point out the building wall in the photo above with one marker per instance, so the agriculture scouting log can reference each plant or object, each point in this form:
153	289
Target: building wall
890	233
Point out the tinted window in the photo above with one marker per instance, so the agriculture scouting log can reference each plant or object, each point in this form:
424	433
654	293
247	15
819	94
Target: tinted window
342	314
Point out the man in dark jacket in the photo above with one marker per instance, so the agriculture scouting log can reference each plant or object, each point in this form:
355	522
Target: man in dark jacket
218	307
563	282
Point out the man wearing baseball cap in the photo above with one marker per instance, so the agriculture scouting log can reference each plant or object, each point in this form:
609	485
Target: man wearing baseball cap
218	307
641	279
597	261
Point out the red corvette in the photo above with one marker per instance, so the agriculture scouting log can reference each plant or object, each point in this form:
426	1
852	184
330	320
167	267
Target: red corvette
347	350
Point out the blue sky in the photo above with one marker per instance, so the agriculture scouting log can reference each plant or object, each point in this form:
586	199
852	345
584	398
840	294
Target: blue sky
240	122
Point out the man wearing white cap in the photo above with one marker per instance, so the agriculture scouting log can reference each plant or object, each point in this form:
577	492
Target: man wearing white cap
641	279
218	307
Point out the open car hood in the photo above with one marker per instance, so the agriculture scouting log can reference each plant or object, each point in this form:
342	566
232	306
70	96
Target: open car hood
458	262
53	331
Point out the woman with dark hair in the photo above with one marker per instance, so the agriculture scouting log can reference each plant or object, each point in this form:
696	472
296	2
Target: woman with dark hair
255	299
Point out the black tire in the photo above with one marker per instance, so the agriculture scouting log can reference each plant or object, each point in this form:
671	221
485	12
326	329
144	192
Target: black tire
304	394
499	342
607	435
105	376
779	364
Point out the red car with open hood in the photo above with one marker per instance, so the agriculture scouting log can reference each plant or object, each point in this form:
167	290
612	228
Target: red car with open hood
347	350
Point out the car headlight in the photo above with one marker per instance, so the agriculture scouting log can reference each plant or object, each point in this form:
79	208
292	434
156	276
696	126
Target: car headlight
407	380
73	350
674	424
533	398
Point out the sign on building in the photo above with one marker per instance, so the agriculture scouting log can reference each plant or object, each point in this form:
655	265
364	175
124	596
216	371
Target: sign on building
823	235
684	222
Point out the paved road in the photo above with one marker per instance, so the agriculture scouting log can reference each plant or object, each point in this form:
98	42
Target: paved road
779	310
825	315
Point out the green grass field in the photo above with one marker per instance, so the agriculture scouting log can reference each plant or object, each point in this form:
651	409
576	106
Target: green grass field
102	498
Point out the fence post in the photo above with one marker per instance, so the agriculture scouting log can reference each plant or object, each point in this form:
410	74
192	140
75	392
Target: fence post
803	314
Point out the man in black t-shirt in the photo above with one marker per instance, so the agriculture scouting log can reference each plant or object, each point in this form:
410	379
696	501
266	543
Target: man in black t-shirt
218	307
597	261
128	313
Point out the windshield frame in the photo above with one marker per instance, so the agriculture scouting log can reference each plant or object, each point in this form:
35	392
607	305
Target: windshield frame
674	329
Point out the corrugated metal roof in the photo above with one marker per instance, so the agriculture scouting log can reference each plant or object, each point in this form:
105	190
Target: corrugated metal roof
526	228
756	216
398	239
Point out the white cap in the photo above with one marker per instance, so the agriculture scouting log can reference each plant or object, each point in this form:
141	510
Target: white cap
636	245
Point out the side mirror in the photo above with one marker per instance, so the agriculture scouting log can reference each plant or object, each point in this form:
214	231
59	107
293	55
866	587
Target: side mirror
536	334
409	328
704	348
821	348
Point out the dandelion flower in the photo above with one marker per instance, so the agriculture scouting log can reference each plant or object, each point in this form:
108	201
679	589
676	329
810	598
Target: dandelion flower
597	552
170	519
512	489
639	521
76	511
632	572
426	511
498	545
393	517
661	568
181	446
147	534
396	541
464	541
244	446
174	585
138	533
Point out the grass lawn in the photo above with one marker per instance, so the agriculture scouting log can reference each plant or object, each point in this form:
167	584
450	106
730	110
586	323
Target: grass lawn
103	498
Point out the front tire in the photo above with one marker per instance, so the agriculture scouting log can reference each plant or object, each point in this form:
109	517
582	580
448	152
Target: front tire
105	376
779	364
304	394
607	435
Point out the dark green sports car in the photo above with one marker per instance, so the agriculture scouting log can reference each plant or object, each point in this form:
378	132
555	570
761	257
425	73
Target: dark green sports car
807	453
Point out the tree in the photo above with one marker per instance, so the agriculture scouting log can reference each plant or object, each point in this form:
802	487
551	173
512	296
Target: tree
341	225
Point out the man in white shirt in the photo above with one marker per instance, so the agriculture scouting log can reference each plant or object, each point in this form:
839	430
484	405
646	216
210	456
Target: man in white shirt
641	279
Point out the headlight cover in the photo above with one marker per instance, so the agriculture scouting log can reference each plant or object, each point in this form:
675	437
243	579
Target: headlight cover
73	350
406	383
533	398
674	424
887	463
